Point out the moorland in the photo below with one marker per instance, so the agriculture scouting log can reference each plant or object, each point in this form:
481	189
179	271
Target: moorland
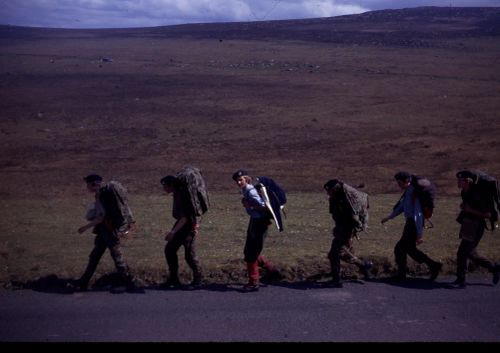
354	97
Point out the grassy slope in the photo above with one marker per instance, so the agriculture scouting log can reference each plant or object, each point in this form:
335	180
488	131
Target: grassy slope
39	238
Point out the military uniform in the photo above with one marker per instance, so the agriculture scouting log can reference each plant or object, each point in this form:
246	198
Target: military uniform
343	232
117	219
183	237
471	231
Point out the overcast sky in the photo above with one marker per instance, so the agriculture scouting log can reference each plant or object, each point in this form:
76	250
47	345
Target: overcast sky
148	13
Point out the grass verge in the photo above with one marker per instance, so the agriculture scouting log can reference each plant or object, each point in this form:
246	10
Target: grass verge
39	239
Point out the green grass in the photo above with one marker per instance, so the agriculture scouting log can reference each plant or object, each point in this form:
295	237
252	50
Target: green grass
39	238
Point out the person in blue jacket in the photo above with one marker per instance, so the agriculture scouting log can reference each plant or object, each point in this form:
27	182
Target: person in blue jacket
413	230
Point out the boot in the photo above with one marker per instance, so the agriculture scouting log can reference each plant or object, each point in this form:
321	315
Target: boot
253	277
459	282
365	269
172	282
399	277
435	268
496	274
79	285
197	281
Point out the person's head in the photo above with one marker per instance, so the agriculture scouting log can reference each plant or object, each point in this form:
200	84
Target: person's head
465	179
242	178
332	186
169	183
403	179
93	181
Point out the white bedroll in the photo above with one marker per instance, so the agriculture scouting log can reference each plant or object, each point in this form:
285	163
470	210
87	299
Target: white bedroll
265	197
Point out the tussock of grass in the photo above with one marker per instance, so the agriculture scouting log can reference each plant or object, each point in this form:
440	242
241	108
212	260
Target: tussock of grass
39	240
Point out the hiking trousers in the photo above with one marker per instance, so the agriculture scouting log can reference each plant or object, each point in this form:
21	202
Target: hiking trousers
256	233
341	249
467	248
186	238
407	246
105	240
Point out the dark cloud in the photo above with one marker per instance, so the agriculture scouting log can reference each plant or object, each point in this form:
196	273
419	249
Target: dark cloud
145	13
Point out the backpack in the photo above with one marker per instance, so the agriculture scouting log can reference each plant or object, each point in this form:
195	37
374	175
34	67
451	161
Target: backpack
114	200
358	201
274	197
192	180
425	191
487	187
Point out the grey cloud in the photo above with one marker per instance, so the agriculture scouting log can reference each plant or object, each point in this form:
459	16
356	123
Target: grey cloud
145	13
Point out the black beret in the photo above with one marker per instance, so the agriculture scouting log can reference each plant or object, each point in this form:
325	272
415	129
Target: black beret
238	174
168	180
402	176
331	184
92	178
466	174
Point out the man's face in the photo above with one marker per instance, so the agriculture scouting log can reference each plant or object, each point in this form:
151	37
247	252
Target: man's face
330	192
403	184
168	188
93	186
463	183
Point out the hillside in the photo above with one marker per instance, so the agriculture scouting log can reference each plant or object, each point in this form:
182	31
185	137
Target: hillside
356	97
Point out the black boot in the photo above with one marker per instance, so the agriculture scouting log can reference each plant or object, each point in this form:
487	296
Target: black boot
435	268
459	282
365	270
172	283
496	274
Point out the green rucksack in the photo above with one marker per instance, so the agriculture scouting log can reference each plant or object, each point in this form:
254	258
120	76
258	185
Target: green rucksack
358	201
192	180
114	200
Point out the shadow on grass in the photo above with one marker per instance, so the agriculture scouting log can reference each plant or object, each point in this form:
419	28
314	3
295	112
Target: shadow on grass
48	284
113	284
55	284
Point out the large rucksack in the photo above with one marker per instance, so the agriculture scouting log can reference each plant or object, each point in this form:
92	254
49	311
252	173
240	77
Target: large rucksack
487	187
192	180
425	191
358	201
114	200
274	197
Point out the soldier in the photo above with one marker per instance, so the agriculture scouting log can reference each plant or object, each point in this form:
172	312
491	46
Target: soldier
260	219
472	217
413	230
110	220
183	233
344	231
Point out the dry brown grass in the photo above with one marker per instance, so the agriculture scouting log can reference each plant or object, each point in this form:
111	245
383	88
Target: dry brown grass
39	239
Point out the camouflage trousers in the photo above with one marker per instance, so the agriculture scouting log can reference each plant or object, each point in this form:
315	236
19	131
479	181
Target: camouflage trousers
105	240
342	249
184	237
471	233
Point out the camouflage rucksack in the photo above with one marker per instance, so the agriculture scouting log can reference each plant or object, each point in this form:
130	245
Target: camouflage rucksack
114	200
358	201
487	187
192	180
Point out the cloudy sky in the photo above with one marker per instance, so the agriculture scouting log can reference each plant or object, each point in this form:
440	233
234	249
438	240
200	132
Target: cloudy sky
147	13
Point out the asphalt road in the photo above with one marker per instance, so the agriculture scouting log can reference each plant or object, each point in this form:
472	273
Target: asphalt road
283	312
